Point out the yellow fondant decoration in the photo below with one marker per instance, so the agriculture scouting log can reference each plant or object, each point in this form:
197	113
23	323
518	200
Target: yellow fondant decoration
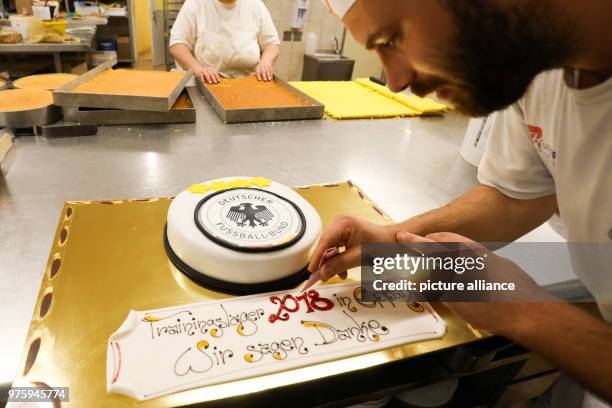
287	239
248	357
199	189
221	185
376	337
425	106
203	345
240	329
277	355
239	183
150	318
312	324
260	181
215	333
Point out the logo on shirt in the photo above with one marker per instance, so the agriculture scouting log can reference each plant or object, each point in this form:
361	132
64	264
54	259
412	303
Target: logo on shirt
537	137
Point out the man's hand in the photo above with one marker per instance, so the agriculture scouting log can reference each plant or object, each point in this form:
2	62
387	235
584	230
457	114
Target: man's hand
498	316
264	70
576	342
206	74
347	232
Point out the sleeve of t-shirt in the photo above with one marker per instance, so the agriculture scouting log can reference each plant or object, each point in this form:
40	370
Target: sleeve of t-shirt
267	35
511	163
185	30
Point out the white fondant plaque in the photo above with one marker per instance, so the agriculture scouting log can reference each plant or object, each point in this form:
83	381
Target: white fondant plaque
250	218
163	351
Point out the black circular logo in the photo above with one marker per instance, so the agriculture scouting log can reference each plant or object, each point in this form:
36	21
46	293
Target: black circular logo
250	220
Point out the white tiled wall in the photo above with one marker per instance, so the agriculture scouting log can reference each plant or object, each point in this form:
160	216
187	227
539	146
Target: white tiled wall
320	22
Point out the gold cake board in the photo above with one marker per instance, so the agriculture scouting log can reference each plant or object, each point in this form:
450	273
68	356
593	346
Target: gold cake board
108	257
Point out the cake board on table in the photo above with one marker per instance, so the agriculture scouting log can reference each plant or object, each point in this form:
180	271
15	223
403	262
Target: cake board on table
107	257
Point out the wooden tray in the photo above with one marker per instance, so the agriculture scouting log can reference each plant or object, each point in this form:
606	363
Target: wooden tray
65	97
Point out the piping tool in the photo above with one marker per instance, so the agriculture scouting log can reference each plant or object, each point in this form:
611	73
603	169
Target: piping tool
316	276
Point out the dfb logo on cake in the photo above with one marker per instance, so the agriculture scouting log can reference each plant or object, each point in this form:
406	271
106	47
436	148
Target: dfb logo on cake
250	214
250	219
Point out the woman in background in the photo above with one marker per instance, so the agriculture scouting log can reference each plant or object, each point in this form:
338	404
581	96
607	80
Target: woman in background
225	38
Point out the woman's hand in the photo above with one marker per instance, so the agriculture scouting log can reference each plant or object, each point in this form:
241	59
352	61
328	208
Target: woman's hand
347	232
264	71
206	74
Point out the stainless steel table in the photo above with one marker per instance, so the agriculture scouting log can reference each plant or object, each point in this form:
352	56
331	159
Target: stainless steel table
406	166
54	49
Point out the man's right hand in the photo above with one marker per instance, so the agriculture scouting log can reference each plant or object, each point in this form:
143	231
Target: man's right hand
206	74
350	233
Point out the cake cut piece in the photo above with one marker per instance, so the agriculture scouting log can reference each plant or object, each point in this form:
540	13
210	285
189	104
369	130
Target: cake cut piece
242	235
250	93
47	82
132	82
17	100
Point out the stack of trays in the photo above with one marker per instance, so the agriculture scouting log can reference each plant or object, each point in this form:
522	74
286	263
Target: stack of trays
104	96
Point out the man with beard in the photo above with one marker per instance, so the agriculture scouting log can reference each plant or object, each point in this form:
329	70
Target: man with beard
547	64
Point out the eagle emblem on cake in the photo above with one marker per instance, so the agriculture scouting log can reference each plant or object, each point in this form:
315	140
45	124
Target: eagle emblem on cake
250	214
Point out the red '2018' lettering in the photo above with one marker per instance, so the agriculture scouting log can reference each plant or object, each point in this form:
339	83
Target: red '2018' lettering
291	304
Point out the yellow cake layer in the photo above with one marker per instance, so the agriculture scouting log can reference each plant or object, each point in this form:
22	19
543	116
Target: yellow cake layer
132	82
48	82
424	105
349	100
15	100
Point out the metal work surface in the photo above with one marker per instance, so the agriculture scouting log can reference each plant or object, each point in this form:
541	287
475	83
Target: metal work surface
314	111
55	49
407	166
48	48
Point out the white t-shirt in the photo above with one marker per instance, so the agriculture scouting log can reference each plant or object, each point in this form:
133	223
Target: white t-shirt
229	38
558	140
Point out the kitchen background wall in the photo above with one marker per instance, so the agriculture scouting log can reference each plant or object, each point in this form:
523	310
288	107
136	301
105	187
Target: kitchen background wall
320	21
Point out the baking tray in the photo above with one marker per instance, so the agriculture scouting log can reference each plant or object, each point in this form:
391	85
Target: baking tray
107	257
65	97
31	117
315	111
86	116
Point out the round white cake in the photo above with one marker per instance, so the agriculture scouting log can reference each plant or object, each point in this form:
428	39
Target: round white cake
242	234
